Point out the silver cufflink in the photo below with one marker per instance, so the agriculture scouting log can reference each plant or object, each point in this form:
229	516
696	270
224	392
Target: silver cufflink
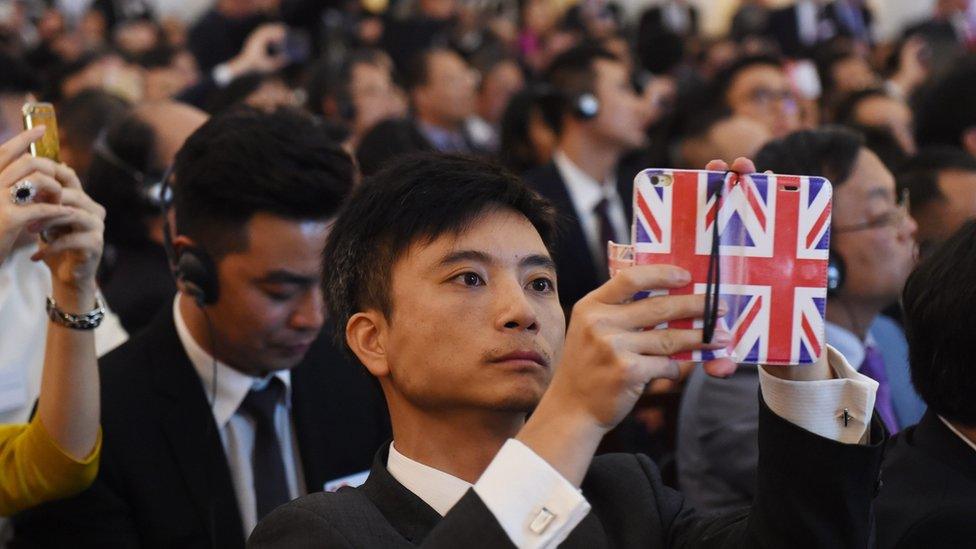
542	521
846	416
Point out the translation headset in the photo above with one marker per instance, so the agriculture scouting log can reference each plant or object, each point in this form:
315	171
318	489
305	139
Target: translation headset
836	272
192	265
584	106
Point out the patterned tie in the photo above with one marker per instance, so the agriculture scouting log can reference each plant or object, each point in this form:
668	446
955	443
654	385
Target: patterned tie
270	483
873	367
605	234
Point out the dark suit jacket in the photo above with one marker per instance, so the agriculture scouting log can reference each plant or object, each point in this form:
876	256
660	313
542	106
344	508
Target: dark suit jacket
164	479
784	27
578	274
928	494
660	48
805	500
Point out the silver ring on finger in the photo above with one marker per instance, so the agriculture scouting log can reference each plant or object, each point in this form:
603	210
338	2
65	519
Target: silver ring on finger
23	192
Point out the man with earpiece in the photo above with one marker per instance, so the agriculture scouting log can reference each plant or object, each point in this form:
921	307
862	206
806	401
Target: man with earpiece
872	253
603	118
230	402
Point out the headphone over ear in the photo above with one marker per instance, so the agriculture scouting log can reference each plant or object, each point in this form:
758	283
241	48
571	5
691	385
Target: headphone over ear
586	106
836	272
192	266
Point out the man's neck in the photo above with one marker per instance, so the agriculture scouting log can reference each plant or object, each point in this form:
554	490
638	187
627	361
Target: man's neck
594	159
459	443
852	315
200	330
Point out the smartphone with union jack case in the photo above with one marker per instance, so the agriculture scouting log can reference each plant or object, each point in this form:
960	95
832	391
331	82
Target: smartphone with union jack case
760	242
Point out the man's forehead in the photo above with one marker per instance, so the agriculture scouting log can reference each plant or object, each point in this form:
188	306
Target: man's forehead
498	233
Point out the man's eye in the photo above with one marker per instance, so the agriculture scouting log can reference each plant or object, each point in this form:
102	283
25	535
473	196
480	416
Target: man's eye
470	279
542	285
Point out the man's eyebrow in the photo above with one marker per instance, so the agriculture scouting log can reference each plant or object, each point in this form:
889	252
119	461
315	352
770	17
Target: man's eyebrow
458	256
538	260
879	192
287	277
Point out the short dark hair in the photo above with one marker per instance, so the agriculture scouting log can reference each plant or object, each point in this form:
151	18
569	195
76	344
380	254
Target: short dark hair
417	198
947	109
939	299
516	150
830	151
245	162
17	77
573	73
326	79
846	110
920	175
386	141
90	112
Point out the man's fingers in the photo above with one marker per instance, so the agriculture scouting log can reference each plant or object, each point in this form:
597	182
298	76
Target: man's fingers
717	166
24	166
670	342
650	368
638	278
743	165
654	310
16	146
720	367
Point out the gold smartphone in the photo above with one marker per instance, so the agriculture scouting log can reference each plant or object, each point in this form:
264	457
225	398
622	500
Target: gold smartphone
37	114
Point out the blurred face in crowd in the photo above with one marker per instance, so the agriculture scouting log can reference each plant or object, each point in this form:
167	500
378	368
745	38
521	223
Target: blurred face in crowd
727	140
941	217
475	321
891	114
438	9
852	73
271	95
497	87
763	93
447	99
172	124
270	306
374	96
623	116
873	233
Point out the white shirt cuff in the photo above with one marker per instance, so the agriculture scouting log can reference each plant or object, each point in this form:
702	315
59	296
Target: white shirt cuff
535	505
839	409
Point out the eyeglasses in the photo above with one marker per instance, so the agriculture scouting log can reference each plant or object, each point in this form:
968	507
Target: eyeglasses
767	96
894	217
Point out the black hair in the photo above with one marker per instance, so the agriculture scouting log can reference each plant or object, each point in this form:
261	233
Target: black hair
920	175
573	72
123	162
417	198
89	112
947	110
830	151
17	77
882	141
938	300
238	90
829	54
386	141
245	162
516	151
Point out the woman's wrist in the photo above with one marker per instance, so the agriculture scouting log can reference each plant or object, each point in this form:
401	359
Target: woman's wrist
75	298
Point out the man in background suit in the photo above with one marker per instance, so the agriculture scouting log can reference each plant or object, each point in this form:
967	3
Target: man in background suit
441	273
230	402
872	236
800	27
929	475
602	119
663	34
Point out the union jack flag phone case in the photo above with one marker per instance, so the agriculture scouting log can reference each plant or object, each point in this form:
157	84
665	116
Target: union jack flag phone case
771	259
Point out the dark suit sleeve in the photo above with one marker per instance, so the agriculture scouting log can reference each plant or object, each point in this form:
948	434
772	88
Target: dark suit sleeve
811	492
97	517
295	527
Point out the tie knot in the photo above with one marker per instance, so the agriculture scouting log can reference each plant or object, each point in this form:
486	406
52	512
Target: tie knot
260	403
602	207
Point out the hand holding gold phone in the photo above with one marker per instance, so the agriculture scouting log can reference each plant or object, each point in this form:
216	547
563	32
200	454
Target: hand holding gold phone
42	114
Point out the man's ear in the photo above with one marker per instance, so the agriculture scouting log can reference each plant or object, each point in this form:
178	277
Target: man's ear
968	140
366	335
182	242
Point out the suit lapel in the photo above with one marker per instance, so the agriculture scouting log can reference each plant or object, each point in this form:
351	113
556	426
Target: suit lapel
406	512
189	427
934	437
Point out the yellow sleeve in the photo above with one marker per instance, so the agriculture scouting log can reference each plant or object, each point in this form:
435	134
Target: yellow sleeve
34	469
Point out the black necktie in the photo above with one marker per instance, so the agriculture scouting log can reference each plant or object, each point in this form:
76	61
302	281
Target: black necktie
270	483
605	233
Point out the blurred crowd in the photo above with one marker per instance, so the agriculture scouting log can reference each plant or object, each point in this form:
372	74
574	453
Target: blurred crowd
571	95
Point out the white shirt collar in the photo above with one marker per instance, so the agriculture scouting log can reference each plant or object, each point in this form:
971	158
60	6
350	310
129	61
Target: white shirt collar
584	191
438	489
232	385
958	434
847	343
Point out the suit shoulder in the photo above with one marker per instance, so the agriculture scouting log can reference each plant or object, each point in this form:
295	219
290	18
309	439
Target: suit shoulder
322	519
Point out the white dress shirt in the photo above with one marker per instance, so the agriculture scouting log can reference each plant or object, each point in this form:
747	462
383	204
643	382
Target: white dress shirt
24	287
538	508
585	193
237	429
